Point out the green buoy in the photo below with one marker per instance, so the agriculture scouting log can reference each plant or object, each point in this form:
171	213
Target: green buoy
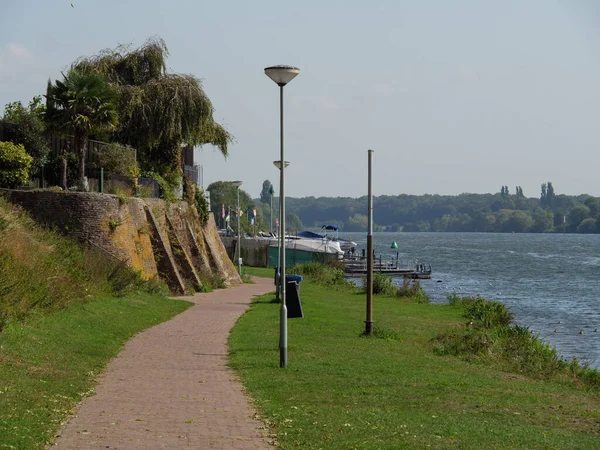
394	245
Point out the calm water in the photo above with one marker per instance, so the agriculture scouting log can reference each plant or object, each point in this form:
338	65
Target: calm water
550	282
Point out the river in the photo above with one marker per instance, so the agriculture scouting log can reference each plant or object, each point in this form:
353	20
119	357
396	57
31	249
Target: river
551	282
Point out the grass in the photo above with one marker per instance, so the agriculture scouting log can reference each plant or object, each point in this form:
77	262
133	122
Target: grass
49	362
392	390
65	312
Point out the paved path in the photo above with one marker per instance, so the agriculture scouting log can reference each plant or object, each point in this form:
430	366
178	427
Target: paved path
170	386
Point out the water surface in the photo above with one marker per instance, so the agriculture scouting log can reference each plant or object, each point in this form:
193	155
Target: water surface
550	281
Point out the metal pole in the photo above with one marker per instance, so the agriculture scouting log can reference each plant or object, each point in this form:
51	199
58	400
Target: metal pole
369	321
101	179
239	246
283	312
271	220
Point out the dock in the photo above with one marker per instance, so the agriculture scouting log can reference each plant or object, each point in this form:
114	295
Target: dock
357	267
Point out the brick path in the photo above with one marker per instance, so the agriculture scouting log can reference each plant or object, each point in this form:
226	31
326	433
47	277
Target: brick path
170	386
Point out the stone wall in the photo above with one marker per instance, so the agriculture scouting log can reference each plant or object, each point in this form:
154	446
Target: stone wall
152	237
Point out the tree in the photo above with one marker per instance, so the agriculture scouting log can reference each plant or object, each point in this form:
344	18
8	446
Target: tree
14	165
594	204
577	215
159	111
224	194
80	104
266	192
293	222
587	226
544	195
550	196
358	222
29	129
543	221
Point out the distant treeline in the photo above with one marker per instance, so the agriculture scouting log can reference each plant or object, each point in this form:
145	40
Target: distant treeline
500	212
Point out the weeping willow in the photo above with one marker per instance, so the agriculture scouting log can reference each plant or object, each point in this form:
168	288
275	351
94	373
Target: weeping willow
158	111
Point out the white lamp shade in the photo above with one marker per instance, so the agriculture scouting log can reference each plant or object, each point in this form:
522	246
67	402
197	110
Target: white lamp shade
237	183
282	75
278	164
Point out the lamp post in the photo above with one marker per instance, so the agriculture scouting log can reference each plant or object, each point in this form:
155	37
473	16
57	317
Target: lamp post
237	184
279	287
271	192
282	75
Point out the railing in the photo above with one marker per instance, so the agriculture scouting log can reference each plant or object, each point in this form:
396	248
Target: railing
193	173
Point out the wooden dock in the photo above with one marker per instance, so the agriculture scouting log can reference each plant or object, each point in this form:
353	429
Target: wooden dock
357	267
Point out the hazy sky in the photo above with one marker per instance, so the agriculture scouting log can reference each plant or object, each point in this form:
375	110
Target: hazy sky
453	96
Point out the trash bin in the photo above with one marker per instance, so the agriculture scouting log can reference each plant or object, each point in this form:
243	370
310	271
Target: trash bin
292	296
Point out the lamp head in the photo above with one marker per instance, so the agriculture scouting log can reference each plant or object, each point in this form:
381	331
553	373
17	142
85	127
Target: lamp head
282	74
236	183
278	163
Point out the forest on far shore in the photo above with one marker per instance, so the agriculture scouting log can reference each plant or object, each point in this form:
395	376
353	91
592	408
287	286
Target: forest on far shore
503	212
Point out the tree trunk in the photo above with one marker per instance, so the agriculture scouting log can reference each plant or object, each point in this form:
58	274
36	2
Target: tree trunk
63	163
81	140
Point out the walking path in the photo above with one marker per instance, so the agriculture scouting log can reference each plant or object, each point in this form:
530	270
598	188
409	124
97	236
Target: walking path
170	386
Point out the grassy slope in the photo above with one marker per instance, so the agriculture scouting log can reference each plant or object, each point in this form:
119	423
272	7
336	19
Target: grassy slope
59	326
345	391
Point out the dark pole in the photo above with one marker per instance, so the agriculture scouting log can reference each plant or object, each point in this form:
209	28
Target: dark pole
283	311
369	321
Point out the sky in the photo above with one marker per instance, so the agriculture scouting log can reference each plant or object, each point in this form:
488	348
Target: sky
452	96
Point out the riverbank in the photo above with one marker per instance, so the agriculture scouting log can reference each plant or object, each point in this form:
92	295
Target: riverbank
342	390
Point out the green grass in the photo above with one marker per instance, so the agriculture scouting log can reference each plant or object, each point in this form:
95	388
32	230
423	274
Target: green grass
65	312
391	391
49	362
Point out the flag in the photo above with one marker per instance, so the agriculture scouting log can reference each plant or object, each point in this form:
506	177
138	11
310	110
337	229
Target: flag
223	210
276	222
227	219
254	212
251	220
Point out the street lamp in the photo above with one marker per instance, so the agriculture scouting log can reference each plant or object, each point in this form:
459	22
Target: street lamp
282	75
279	287
271	192
237	184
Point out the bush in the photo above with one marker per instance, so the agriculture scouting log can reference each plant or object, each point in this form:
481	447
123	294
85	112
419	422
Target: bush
14	165
117	159
490	336
325	274
413	290
488	314
201	205
382	284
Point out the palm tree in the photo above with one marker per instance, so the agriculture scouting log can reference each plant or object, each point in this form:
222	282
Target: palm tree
159	112
81	104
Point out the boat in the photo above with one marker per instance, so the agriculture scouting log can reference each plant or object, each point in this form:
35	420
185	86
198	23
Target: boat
298	251
345	244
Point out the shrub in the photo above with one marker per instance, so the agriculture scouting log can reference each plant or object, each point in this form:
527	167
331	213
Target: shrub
189	191
488	314
201	205
325	274
117	159
382	284
413	290
14	165
167	184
